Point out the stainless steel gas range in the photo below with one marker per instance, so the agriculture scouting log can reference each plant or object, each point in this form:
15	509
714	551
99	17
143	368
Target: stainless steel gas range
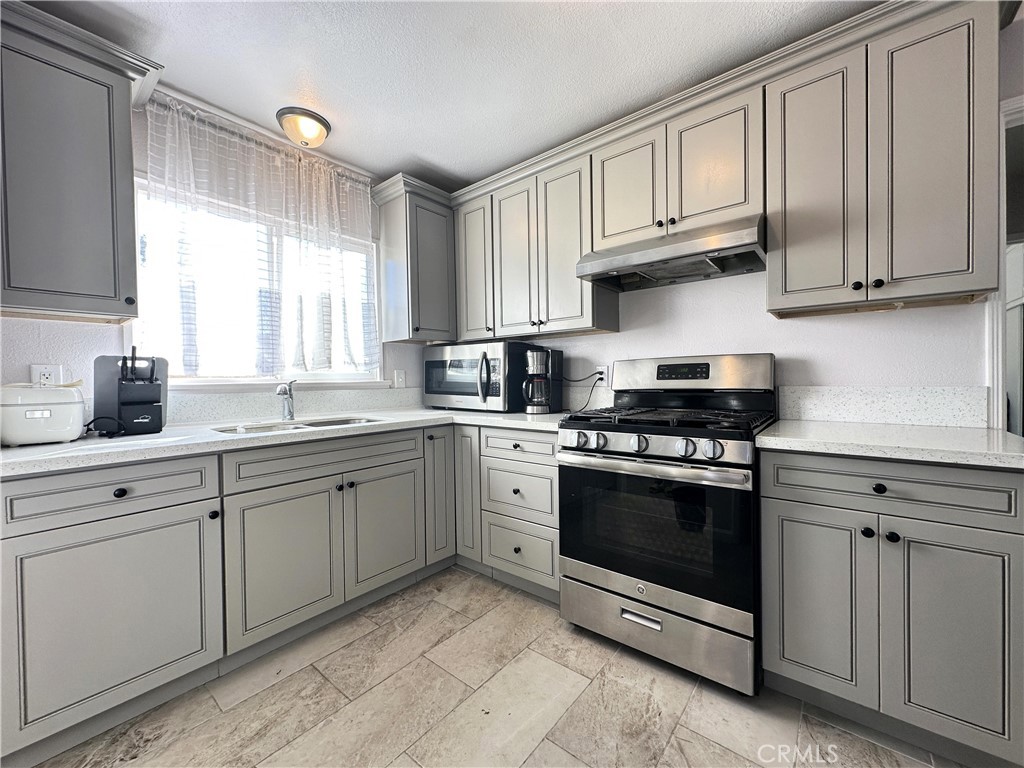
658	511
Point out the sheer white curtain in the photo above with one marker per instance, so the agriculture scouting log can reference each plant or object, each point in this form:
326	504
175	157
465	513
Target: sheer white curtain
254	259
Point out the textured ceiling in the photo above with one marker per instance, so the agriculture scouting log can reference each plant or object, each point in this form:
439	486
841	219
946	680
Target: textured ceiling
449	92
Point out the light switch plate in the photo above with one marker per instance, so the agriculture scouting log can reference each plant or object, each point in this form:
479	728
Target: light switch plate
399	379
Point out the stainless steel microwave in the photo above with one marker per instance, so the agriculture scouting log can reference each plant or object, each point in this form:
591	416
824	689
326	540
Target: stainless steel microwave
479	377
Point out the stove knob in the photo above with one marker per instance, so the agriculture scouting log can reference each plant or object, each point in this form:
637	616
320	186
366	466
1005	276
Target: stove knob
638	443
600	441
686	447
581	439
713	449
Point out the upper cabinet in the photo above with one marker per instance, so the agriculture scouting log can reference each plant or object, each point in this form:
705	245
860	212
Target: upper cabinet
417	255
702	168
67	149
882	170
515	259
475	269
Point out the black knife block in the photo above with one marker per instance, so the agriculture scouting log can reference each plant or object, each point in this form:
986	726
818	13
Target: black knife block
131	407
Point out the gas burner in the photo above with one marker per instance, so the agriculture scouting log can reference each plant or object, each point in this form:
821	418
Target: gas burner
610	415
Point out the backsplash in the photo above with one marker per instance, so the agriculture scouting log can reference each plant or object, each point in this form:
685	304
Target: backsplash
922	406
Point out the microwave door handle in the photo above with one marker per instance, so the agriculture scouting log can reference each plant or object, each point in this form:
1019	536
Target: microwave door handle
482	371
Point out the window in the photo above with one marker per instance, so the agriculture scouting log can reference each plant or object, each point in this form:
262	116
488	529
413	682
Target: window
249	264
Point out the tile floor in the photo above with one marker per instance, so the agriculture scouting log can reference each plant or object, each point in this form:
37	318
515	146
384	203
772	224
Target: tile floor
460	670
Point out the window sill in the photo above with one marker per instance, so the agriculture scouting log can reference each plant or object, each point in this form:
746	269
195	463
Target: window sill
232	386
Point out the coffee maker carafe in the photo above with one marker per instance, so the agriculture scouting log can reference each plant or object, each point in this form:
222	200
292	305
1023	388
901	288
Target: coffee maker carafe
542	389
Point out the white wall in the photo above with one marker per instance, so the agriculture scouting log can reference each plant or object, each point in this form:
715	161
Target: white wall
936	346
72	344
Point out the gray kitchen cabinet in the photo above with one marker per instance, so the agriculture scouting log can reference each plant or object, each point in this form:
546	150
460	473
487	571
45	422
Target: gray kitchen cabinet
820	597
515	259
816	169
67	158
417	254
951	632
933	143
439	464
385	522
283	558
629	189
566	303
96	614
467	492
716	162
475	281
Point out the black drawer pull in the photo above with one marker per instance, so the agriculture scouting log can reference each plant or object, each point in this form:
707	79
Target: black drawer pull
430	437
879	488
892	536
516	446
120	493
515	491
867	533
517	550
214	515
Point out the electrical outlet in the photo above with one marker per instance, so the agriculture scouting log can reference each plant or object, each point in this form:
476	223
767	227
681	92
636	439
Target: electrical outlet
47	374
399	378
602	379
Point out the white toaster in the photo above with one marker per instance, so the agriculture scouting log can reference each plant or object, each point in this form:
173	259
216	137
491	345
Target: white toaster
33	413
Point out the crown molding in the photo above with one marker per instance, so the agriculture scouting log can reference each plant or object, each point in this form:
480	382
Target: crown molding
399	184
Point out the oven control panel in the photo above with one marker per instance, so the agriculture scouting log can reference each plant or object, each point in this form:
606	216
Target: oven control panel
657	446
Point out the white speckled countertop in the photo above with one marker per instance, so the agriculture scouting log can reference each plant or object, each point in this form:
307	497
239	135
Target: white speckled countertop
938	445
177	441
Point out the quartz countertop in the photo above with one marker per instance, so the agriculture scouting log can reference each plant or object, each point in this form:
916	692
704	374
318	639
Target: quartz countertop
938	445
179	441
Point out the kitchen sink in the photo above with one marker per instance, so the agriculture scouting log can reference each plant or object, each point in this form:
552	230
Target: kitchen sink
343	422
252	429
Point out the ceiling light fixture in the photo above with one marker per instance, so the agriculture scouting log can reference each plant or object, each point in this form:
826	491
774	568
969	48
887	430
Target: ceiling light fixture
305	128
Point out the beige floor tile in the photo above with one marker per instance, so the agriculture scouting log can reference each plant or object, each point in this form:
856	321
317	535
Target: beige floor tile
820	743
142	735
258	675
475	653
761	728
550	755
391	607
363	663
576	648
687	749
381	724
882	739
502	722
627	714
257	727
476	596
404	761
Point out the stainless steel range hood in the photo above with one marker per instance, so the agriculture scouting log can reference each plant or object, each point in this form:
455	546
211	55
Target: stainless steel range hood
733	248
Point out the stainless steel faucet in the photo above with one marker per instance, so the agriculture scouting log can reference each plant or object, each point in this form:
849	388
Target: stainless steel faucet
288	403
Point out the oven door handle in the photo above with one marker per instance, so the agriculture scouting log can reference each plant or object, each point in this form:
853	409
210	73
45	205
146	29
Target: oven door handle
723	477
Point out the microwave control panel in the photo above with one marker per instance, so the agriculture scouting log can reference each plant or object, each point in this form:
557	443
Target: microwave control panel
494	390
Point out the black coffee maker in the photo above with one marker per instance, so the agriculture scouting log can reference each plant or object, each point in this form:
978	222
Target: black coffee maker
130	395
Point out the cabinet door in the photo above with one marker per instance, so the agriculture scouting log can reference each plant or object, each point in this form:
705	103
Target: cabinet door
952	632
384	525
99	613
820	597
933	144
67	150
716	162
431	269
515	259
475	277
563	221
467	492
439	461
282	558
817	185
629	189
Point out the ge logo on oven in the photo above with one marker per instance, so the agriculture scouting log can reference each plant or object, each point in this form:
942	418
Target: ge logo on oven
641	589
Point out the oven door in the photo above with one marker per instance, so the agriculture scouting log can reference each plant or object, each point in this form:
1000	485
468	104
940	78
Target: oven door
465	376
677	536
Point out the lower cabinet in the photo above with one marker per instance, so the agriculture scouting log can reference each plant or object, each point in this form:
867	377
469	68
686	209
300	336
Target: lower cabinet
384	525
439	463
283	558
922	621
523	549
96	614
467	492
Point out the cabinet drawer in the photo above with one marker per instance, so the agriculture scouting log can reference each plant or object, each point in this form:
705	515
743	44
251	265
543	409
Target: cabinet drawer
519	444
522	549
976	497
53	501
519	489
267	467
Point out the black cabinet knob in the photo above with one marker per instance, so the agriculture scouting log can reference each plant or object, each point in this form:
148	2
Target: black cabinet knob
857	285
672	220
129	300
541	322
515	491
339	487
867	533
350	484
120	493
533	322
516	446
879	488
488	328
517	550
416	329
214	515
659	223
430	437
877	283
892	536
